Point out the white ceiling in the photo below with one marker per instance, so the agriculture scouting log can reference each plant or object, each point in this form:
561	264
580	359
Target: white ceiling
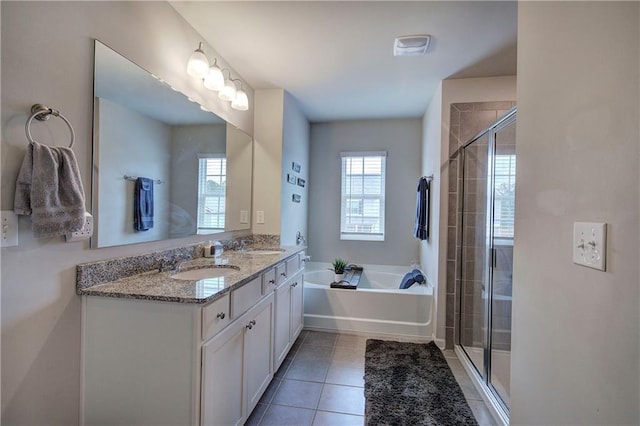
336	58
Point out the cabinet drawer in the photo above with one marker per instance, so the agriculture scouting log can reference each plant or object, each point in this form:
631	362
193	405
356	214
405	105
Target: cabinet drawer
269	281
245	297
215	317
281	273
293	265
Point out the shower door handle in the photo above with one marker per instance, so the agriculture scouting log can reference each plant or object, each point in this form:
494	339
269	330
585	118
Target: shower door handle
493	255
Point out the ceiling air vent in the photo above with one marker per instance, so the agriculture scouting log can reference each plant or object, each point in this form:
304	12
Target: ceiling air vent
412	45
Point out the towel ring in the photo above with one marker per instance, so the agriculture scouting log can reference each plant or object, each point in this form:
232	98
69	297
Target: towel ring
43	113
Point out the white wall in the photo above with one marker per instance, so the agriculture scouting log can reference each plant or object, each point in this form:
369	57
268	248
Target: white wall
267	164
435	148
281	136
295	147
429	249
47	57
401	139
135	145
575	354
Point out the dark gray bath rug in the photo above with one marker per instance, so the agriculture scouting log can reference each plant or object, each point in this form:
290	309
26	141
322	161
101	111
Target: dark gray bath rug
411	384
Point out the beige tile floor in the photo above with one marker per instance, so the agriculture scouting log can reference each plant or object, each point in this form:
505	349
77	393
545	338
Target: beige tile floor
321	383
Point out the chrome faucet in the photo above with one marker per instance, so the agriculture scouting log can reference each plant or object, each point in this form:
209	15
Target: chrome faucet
166	264
240	245
300	239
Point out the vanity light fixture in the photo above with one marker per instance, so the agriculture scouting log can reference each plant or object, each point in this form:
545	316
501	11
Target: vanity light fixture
228	92
213	79
198	64
241	101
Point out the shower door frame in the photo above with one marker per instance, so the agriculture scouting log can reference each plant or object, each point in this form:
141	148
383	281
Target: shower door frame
484	376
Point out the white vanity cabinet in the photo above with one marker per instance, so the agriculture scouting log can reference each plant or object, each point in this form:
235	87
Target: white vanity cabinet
152	362
236	366
288	314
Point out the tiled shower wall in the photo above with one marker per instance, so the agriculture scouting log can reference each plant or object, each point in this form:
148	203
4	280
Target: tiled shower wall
466	121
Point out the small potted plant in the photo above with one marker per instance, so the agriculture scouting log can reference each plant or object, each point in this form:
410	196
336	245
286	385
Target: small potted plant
338	265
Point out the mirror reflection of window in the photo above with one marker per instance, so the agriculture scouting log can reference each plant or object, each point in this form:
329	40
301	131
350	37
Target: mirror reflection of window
212	182
505	186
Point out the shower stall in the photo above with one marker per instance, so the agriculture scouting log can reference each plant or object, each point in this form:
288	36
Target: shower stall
485	222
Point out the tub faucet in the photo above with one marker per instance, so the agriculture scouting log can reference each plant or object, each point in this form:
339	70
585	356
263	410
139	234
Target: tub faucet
300	239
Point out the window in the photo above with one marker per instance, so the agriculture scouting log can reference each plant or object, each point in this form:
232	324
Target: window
212	181
505	185
362	206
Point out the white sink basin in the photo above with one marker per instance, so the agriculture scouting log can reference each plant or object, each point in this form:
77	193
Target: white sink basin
204	273
265	251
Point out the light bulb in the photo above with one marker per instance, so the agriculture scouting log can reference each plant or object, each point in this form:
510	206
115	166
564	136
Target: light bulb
241	101
198	64
228	92
214	79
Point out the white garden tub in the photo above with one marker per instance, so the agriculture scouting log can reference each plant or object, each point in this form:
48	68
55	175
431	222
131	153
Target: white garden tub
377	307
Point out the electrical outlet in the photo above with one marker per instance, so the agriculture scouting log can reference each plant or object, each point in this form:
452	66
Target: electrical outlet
9	226
244	216
83	234
260	216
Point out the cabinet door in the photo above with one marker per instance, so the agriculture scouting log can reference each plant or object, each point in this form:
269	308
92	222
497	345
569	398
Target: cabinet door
222	362
282	323
297	314
258	351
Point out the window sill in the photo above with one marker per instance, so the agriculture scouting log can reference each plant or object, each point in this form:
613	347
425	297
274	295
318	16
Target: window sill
361	237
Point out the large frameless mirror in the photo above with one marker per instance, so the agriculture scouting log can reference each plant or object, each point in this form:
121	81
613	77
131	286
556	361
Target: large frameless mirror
195	168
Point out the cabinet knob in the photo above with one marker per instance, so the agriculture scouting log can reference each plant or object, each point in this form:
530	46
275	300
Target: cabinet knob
284	274
251	324
272	281
221	315
294	284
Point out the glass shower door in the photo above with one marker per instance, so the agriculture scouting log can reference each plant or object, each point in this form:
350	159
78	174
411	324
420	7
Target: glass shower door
503	168
487	200
474	252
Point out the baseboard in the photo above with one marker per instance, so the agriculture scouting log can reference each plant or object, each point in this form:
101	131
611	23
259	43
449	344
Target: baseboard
385	329
372	335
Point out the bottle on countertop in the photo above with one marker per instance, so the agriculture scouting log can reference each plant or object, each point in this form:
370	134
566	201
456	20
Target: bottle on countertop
216	249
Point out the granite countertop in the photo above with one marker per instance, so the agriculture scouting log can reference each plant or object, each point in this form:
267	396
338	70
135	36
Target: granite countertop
159	286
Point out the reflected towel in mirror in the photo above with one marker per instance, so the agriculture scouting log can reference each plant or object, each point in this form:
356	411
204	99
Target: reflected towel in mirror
143	204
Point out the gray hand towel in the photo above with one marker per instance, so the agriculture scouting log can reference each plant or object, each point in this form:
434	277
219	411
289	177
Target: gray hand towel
49	188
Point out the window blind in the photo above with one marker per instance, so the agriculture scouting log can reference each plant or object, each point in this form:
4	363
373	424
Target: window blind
363	196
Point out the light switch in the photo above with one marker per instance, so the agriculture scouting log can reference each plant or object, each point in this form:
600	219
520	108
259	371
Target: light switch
9	227
590	244
260	216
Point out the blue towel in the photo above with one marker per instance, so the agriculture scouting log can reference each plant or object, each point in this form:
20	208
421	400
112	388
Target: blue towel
407	281
421	227
418	276
143	204
410	278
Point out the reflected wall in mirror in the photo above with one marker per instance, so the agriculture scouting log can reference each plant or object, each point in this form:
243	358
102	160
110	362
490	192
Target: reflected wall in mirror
199	166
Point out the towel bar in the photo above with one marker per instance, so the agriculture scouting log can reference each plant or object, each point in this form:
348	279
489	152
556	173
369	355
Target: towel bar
43	113
134	178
